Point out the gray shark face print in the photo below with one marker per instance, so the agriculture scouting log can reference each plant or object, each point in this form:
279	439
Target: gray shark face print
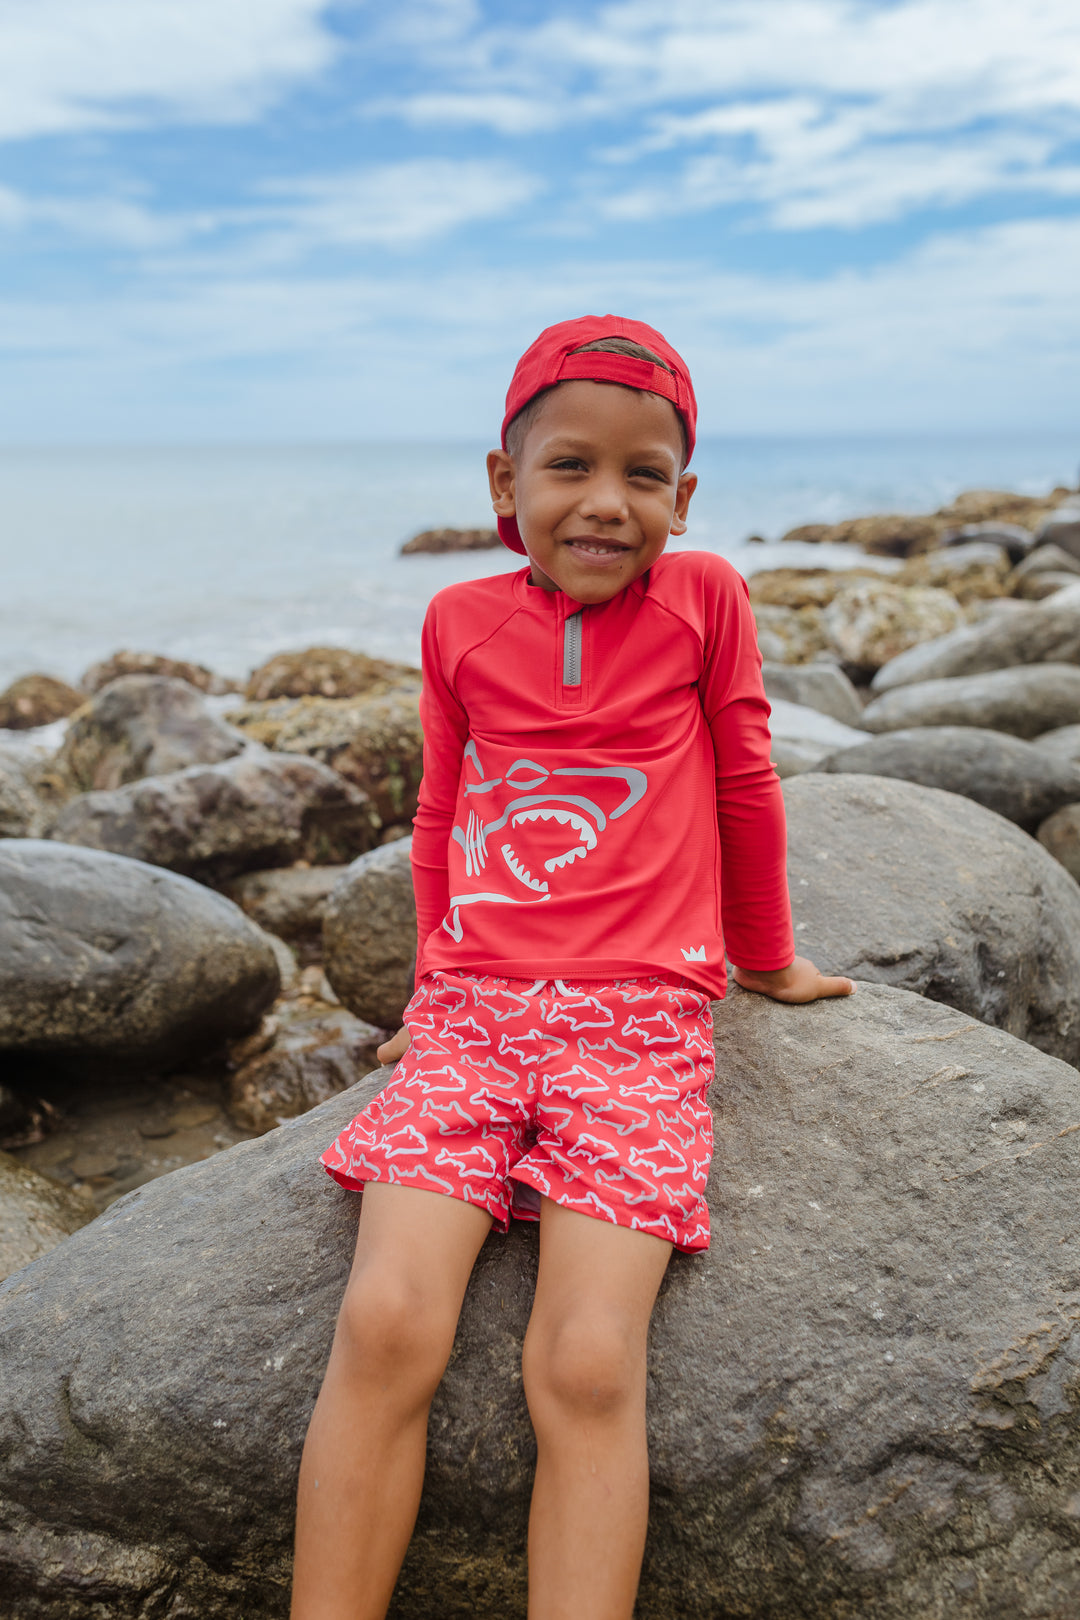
528	830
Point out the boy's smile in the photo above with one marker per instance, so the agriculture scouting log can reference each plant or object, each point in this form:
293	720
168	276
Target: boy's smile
596	487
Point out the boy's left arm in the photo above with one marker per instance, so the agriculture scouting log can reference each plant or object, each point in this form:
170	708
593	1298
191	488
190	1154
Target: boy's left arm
755	906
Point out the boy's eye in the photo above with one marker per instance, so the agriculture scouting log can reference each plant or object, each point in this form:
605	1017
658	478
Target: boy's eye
568	463
649	472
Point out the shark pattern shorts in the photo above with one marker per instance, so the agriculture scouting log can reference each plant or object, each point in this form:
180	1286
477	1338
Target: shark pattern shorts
591	1094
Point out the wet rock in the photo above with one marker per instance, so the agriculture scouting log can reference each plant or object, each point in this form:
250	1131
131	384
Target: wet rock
437	541
789	635
1044	560
369	935
304	1052
1022	701
1063	743
815	686
875	620
883	535
329	672
1010	777
864	1393
102	956
1041	633
1060	834
910	886
1016	539
37	700
35	1215
1037	587
973	572
126	662
375	743
141	725
803	587
288	901
1061	528
22	813
215	821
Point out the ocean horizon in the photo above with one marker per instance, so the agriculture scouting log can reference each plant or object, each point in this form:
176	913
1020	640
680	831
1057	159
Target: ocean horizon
229	553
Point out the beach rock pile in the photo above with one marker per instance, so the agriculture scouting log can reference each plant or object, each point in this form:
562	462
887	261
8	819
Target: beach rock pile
327	672
863	1400
126	662
37	700
437	541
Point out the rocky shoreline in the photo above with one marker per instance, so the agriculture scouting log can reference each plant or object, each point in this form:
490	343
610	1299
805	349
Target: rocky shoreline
205	923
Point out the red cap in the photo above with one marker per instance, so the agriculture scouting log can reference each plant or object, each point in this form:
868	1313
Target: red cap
551	359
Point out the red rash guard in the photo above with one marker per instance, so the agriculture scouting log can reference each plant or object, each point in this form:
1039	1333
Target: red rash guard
590	776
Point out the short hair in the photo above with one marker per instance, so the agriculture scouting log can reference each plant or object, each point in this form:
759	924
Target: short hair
520	424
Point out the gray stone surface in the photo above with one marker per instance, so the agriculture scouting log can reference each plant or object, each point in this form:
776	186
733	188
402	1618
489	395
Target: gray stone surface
1043	632
1060	834
799	723
1046	559
862	1402
289	900
22	813
1062	528
822	686
791	757
103	956
1063	743
142	725
1024	702
1016	540
215	821
1011	777
304	1052
35	1214
910	886
369	935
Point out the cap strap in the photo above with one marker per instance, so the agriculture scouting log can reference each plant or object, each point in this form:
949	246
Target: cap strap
600	365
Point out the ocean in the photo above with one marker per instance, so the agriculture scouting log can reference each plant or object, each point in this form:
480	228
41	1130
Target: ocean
228	554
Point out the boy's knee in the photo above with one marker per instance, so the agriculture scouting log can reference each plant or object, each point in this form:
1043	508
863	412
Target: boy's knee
586	1365
391	1330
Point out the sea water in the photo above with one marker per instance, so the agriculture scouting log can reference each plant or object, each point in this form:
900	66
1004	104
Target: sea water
229	554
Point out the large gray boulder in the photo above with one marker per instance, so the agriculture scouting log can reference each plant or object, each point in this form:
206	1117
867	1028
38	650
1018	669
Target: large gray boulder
1017	780
821	686
101	956
142	725
369	935
1024	702
1044	632
862	1400
35	1214
914	887
214	821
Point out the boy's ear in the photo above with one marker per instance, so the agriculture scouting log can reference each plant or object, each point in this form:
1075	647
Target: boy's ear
686	487
501	482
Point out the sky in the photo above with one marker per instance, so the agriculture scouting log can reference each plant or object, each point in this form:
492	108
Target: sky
263	220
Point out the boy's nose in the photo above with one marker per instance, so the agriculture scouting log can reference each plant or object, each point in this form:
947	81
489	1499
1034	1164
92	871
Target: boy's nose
605	501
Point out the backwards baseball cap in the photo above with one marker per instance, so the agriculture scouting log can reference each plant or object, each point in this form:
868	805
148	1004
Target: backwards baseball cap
554	358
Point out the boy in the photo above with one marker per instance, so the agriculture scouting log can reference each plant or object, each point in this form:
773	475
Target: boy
596	749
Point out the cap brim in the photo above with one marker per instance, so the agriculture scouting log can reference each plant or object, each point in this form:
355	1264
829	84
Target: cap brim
508	534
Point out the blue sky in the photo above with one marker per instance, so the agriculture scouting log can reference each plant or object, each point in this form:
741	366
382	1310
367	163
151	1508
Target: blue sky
283	219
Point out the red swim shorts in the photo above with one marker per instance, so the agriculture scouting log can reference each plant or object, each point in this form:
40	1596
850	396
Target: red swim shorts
591	1094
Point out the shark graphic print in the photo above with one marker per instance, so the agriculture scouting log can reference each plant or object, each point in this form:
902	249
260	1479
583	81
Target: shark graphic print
592	1094
524	833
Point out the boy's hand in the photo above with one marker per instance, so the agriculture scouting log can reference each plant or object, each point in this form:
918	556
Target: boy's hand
800	981
393	1049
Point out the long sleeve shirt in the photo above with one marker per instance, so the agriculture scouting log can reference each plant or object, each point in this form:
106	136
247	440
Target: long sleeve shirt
597	799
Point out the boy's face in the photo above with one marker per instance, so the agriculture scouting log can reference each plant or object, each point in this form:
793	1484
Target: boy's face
595	487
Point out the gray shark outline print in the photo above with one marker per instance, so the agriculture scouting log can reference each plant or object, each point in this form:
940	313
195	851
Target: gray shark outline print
537	798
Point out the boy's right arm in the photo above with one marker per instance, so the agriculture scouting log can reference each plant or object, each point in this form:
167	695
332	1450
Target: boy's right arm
446	731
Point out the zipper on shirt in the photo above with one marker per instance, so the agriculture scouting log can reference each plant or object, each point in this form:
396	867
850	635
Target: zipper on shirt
571	656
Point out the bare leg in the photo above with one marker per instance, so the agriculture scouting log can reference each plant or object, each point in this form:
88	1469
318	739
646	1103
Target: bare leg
363	1463
584	1368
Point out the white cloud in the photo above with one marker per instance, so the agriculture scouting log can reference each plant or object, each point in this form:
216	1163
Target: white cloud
974	330
395	204
68	65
